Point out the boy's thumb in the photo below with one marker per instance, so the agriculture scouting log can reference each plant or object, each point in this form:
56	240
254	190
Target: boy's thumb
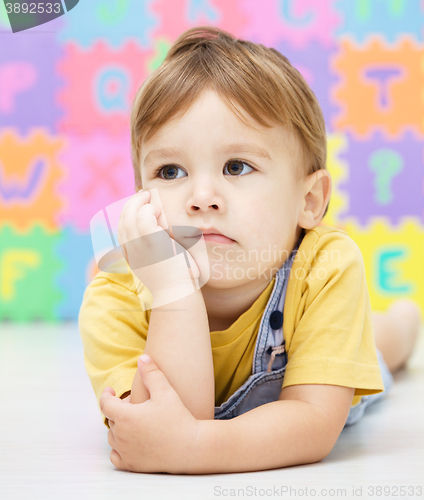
153	378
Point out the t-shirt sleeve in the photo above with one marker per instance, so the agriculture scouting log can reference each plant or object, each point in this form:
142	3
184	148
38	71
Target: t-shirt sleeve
113	329
330	318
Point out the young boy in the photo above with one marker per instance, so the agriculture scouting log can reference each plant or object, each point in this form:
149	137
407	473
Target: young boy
263	365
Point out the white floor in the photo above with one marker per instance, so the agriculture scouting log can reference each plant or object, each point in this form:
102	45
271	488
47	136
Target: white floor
53	444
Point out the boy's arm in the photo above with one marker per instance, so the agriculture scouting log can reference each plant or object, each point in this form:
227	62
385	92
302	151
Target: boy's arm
301	427
179	342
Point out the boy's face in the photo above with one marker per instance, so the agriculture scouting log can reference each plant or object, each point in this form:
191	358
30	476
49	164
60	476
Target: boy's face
251	199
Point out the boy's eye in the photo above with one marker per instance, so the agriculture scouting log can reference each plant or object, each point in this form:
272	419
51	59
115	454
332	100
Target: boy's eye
235	167
172	170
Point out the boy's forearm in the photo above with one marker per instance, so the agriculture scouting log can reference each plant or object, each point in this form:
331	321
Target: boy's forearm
274	435
179	342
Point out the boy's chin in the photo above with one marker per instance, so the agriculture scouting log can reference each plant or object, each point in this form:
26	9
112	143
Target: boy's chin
223	283
217	283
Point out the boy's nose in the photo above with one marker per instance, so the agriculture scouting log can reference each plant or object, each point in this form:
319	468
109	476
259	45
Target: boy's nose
205	197
215	207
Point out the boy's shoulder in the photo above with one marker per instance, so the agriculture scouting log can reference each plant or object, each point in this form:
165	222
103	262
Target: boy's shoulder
324	232
326	244
327	258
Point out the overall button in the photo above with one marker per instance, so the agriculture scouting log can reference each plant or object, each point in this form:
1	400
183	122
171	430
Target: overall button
276	320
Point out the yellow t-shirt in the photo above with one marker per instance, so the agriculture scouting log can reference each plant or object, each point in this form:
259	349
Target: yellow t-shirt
327	325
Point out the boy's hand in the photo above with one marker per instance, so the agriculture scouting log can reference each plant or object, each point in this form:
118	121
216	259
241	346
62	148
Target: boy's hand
149	250
159	435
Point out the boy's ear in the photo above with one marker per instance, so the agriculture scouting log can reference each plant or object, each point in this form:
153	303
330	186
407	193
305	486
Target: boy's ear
315	198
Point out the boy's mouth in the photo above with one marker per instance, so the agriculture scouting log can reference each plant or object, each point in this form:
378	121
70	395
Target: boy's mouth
217	238
212	234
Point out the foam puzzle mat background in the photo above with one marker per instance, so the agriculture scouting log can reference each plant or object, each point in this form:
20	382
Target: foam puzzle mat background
65	98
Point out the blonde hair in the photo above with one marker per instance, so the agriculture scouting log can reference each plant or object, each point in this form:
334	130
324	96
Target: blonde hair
259	79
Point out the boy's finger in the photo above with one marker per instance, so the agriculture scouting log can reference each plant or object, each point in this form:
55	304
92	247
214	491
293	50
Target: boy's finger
117	461
141	220
142	223
135	202
146	221
153	378
111	438
127	213
155	200
110	405
146	239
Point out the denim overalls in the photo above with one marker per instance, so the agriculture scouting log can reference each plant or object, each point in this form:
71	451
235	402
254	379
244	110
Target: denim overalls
270	359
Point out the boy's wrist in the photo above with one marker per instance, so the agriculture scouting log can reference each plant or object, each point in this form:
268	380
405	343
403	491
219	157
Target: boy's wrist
212	434
173	293
189	301
168	279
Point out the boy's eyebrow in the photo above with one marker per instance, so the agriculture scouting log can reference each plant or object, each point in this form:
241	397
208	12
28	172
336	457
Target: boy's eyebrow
164	153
